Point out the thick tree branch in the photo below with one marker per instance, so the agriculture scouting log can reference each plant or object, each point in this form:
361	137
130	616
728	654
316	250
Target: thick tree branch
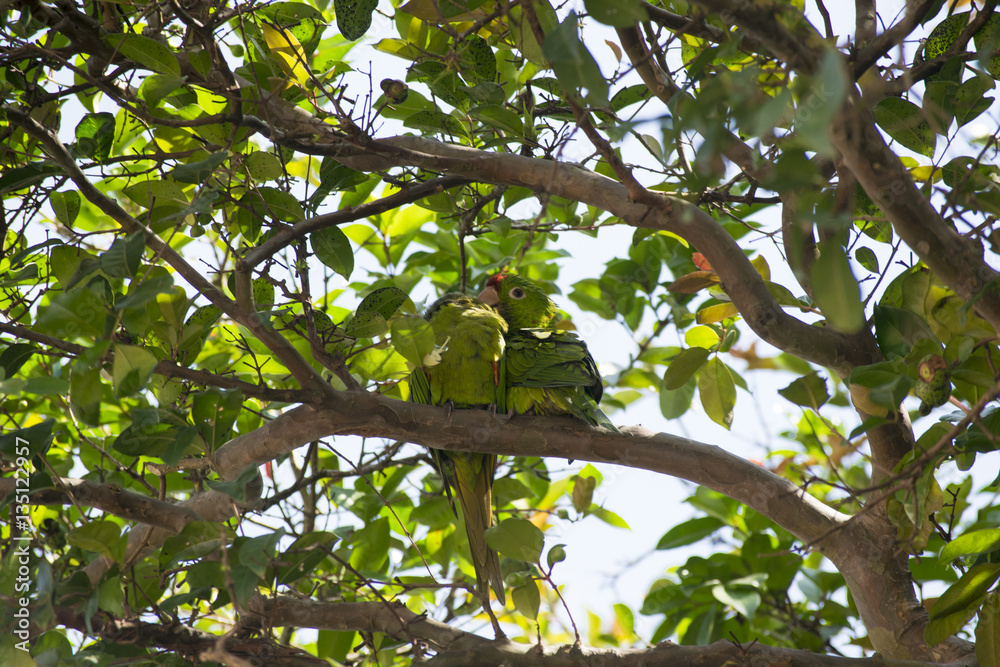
452	646
455	647
862	548
744	285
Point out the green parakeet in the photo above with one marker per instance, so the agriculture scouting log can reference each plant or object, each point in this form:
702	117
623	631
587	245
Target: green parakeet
464	371
549	371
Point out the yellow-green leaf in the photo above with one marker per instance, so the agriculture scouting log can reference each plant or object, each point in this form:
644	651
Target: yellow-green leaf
717	391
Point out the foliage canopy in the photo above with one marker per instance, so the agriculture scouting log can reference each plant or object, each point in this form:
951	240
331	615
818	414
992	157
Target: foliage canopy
221	224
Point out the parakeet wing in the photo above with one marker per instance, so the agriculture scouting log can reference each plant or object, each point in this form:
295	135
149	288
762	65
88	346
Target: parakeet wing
551	372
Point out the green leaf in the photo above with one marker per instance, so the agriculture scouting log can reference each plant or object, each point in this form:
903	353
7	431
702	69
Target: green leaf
625	617
675	402
156	87
413	338
616	13
684	365
944	35
898	330
527	599
303	555
94	136
102	536
354	17
371	546
214	411
689	532
14	356
960	602
264	166
583	492
516	538
145	51
970	100
110	596
79	313
85	395
156	192
887	385
717	391
476	58
498	117
200	171
866	257
573	65
131	369
702	336
332	247
904	121
385	301
823	98
971	544
987	41
123	258
38	438
238	488
744	599
988	632
435	122
556	554
836	290
27	176
608	517
808	391
366	325
967	591
66	206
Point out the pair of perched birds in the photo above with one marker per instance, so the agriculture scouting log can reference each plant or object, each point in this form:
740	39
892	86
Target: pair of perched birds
501	350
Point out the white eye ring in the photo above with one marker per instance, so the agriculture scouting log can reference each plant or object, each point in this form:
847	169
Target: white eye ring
517	293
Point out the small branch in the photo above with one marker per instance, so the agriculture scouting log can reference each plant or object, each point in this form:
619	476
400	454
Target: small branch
112	499
288	235
275	342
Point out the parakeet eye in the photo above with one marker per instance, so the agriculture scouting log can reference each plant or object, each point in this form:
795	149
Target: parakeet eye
517	293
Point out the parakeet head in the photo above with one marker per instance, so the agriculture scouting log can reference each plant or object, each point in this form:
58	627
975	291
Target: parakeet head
519	301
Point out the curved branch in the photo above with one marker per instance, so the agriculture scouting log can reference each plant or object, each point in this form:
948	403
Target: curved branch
741	281
455	647
862	548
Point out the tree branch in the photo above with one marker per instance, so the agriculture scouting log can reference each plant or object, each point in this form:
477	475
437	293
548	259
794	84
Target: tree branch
275	342
741	281
956	260
109	498
455	647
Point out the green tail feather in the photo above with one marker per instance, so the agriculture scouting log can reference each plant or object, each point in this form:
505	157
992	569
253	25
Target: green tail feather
470	476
